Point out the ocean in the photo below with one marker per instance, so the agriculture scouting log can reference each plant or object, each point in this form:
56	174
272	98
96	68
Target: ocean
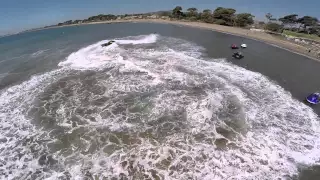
163	102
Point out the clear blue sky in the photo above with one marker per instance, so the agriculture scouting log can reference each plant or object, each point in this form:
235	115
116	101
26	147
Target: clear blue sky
17	15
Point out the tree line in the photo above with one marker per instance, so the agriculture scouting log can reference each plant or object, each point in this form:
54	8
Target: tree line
226	17
304	24
229	17
221	16
100	17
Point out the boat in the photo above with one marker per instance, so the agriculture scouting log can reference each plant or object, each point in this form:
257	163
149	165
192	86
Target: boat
107	44
313	98
237	55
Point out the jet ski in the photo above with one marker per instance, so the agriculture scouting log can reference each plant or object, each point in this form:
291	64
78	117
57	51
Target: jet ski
238	55
313	98
243	45
234	46
107	44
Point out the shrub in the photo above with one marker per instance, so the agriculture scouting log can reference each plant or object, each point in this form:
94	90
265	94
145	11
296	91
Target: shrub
274	27
220	22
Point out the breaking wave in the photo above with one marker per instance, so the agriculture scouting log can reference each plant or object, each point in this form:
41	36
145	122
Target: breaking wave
152	107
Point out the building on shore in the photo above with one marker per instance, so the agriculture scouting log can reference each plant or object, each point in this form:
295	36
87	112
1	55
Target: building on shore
154	16
130	17
165	17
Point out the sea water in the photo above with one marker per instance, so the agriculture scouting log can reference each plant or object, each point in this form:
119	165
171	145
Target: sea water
148	106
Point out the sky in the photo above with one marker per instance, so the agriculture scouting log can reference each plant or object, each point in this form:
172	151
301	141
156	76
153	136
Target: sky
18	15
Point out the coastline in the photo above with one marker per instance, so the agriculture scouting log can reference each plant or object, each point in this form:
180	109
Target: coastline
258	36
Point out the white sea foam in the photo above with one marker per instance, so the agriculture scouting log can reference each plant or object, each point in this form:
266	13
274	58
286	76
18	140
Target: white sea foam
16	159
96	56
197	119
152	38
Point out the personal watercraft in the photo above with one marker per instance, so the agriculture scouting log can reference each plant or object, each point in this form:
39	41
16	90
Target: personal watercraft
313	98
243	45
234	46
107	44
237	55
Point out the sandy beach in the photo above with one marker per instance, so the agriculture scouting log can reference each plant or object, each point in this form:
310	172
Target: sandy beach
260	36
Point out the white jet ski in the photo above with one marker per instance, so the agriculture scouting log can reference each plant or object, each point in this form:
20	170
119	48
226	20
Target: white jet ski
243	45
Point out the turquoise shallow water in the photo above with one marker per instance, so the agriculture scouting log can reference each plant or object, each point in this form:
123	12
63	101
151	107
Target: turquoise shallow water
163	102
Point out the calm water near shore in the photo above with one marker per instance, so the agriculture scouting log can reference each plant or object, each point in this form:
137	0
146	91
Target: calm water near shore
163	102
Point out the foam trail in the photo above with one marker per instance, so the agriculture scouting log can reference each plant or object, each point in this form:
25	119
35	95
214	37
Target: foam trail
144	40
95	56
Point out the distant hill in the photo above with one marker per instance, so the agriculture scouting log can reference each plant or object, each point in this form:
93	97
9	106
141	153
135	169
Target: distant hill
158	13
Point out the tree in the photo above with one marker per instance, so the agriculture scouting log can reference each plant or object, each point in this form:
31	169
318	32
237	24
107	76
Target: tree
165	13
102	17
76	21
220	22
207	11
269	16
225	14
192	12
289	20
275	27
68	22
314	30
307	21
177	12
206	16
244	19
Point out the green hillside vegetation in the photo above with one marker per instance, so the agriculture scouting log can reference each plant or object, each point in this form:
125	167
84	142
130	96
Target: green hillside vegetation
305	26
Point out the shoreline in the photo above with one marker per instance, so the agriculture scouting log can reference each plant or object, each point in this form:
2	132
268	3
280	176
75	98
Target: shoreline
235	31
